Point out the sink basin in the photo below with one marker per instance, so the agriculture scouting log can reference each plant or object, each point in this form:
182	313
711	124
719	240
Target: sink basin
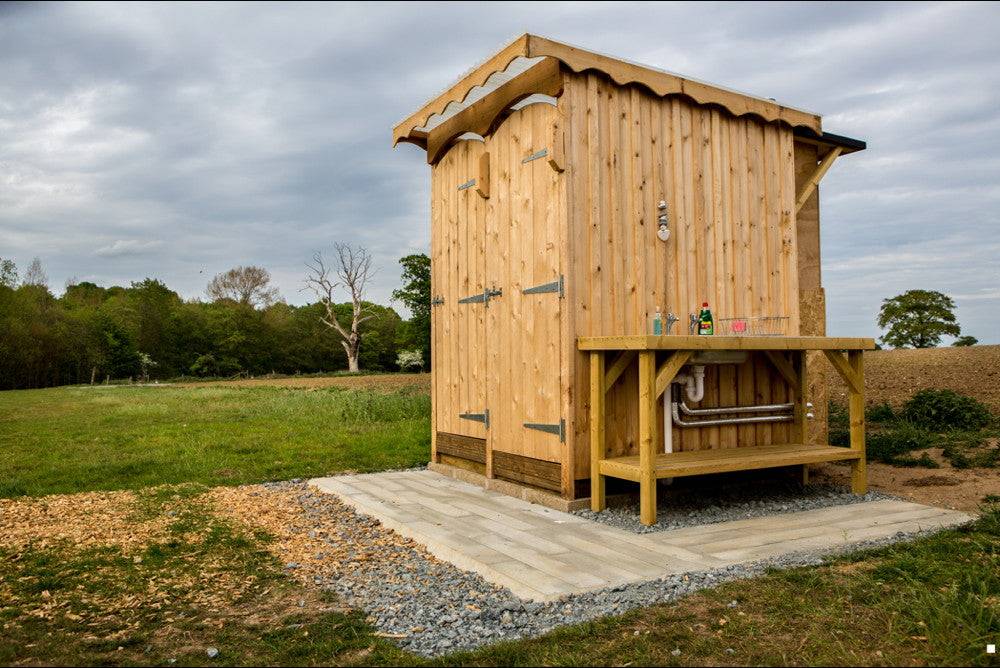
719	357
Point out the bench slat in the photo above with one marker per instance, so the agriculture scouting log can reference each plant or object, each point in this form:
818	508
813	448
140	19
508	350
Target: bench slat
701	462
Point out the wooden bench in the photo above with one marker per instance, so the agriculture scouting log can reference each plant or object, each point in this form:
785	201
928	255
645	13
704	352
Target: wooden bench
845	354
702	462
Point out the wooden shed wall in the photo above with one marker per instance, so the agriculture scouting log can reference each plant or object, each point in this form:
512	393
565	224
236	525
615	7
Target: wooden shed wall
730	187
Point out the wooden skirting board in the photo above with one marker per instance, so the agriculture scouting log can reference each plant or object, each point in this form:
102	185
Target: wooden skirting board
463	447
454	449
528	471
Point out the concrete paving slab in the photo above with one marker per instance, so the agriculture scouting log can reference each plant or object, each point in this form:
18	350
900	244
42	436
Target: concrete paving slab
542	554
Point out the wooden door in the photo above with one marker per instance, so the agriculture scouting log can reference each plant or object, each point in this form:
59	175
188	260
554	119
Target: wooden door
457	277
523	260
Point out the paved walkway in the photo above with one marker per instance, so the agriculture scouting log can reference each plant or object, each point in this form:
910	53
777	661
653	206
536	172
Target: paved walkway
541	554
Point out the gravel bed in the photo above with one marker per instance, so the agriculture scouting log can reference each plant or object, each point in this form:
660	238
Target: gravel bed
431	607
738	502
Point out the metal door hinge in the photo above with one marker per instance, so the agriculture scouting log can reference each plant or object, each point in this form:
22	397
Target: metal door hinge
483	417
558	429
554	286
437	301
468	184
535	156
483	297
474	299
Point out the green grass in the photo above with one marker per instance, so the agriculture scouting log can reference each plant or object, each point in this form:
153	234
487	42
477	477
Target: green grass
936	601
77	439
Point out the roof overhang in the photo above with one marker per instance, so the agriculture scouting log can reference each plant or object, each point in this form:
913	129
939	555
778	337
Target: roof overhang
660	82
830	140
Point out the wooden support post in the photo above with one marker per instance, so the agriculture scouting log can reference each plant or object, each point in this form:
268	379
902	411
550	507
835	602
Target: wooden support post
856	412
647	437
597	500
801	430
799	394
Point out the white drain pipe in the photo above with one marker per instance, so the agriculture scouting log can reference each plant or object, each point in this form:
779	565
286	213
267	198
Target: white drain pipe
694	386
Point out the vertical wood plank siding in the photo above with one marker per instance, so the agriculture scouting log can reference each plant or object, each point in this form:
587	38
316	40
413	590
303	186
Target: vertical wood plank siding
729	184
735	241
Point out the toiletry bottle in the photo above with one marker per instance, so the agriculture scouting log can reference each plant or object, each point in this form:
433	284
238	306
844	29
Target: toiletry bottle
706	323
658	323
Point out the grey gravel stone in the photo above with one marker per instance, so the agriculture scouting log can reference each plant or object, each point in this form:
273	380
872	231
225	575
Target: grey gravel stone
212	652
431	607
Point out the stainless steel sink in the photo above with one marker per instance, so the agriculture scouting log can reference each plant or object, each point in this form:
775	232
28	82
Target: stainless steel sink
719	357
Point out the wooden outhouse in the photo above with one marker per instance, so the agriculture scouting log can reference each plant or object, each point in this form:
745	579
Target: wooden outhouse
573	197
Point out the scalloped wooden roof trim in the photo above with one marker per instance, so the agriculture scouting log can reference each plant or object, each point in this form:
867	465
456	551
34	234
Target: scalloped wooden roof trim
621	72
483	115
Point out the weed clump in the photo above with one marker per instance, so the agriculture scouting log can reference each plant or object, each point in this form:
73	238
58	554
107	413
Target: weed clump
945	410
899	440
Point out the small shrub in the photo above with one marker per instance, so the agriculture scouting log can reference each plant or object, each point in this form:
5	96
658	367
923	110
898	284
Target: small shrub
909	461
410	360
991	498
838	424
886	446
944	410
961	458
882	412
957	457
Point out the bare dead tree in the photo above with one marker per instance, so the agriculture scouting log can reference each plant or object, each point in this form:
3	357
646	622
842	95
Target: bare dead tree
247	285
35	274
352	271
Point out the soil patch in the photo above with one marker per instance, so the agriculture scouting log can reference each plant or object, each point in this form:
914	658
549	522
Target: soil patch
894	376
958	489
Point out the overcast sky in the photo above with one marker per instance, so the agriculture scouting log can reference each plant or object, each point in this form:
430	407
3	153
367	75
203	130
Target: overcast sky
175	141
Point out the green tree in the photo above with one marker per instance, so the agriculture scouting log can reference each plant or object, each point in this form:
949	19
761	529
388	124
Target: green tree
918	319
8	273
964	341
416	296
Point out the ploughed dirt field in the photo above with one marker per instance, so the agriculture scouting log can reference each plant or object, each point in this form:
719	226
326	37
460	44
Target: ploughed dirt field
893	376
388	382
945	487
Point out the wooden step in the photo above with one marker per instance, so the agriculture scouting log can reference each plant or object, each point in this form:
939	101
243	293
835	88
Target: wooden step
701	462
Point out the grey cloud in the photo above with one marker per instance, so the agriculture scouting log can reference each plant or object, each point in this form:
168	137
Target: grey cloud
259	133
128	247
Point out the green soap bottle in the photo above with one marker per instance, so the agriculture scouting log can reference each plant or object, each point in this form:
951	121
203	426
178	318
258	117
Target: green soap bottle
706	323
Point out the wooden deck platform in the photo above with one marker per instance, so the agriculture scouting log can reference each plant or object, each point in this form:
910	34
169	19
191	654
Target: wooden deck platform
845	354
702	462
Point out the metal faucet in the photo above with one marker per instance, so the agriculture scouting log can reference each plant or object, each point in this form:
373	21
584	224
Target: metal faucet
671	319
693	324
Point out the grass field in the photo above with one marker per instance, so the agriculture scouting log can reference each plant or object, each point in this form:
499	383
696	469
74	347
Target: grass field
80	439
163	576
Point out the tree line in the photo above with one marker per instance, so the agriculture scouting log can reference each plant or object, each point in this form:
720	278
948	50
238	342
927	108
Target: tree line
147	331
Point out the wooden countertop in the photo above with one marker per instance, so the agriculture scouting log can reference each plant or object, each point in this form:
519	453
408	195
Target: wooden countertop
687	342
